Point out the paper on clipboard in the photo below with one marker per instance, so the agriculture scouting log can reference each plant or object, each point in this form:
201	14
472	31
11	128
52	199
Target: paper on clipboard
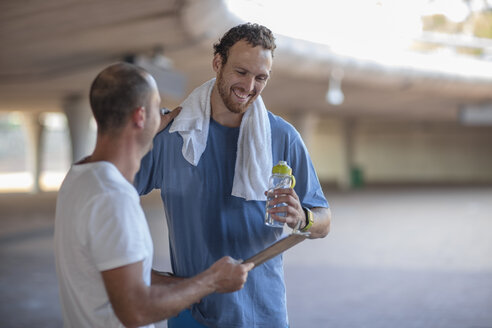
276	248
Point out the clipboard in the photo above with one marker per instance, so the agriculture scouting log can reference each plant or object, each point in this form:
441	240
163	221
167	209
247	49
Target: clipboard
276	248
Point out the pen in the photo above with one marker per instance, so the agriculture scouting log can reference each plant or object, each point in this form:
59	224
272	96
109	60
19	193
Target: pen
165	111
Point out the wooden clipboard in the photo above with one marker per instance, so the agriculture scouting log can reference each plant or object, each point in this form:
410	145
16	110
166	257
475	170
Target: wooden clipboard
276	248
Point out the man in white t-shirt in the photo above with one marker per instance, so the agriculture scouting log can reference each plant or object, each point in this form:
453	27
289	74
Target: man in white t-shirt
103	247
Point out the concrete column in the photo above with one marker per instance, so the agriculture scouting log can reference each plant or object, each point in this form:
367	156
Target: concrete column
306	124
35	146
78	112
347	153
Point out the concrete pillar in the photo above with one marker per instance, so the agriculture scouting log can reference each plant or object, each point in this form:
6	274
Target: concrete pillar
35	146
306	124
79	115
347	153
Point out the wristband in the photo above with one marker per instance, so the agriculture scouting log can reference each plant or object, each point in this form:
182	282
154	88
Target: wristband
309	219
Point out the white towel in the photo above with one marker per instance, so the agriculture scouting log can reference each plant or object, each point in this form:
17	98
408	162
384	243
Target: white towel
254	148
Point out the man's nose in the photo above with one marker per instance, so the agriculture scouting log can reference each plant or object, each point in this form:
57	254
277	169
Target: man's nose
249	83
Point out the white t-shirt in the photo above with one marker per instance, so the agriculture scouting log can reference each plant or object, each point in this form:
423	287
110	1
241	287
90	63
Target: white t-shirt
99	225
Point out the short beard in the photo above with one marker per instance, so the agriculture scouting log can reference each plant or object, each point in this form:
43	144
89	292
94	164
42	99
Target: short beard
226	99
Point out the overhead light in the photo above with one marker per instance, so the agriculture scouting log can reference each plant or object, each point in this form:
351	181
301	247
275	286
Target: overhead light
476	114
156	59
334	95
160	60
169	81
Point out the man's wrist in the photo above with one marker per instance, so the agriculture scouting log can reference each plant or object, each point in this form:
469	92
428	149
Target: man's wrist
309	220
303	221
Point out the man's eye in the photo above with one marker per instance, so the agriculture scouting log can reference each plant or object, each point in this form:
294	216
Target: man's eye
241	72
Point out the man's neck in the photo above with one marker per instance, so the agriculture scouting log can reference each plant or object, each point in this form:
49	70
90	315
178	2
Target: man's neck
221	114
118	151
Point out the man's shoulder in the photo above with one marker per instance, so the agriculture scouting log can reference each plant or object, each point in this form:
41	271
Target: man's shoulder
166	135
281	128
279	123
97	179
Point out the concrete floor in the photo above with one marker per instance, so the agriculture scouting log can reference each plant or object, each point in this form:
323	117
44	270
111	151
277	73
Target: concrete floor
407	258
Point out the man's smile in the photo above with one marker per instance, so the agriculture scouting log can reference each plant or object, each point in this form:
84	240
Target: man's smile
243	97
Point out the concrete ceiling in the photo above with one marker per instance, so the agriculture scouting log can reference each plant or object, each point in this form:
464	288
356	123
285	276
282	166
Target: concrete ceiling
52	49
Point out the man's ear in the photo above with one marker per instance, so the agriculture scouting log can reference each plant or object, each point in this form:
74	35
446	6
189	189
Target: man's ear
217	63
138	117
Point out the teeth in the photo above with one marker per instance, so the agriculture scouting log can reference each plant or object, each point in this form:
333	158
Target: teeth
239	95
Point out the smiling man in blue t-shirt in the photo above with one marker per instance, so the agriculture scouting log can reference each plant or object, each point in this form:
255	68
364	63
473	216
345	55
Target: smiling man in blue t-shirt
206	217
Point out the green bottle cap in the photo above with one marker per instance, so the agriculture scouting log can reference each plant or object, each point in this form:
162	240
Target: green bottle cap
282	168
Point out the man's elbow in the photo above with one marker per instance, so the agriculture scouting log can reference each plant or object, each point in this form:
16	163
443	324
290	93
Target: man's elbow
136	318
132	318
325	227
130	321
323	232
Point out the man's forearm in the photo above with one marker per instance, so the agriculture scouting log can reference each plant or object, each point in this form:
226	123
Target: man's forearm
164	278
164	300
137	304
181	293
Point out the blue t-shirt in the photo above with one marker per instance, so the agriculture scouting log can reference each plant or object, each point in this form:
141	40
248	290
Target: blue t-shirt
206	222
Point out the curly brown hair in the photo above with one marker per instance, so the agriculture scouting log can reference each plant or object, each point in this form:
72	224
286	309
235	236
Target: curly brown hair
254	34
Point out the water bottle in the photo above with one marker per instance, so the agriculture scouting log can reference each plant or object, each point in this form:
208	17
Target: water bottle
281	178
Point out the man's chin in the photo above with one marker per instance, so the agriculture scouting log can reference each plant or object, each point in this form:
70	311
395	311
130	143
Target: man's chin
240	109
236	110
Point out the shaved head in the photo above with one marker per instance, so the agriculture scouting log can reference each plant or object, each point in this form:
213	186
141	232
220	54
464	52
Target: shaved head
116	92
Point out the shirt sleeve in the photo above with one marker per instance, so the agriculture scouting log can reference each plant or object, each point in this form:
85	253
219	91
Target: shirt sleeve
115	233
143	181
149	175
